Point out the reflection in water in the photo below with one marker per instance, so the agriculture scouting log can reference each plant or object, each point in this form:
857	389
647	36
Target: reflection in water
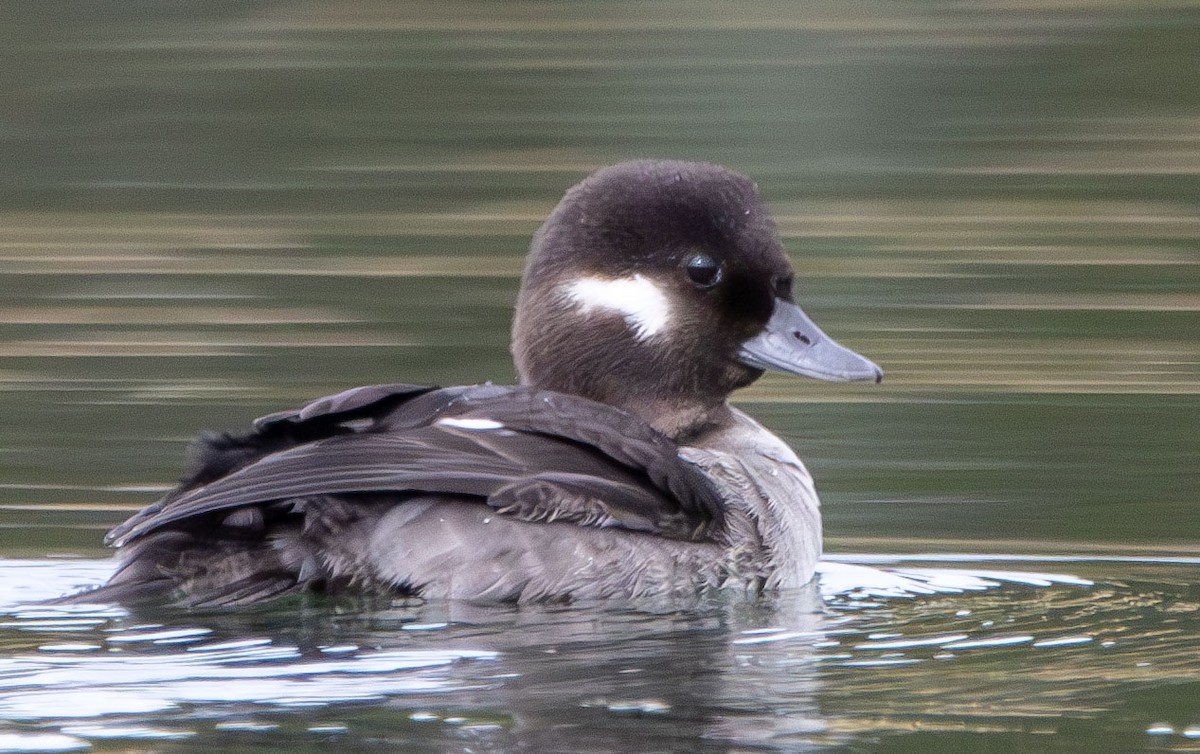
546	679
1033	654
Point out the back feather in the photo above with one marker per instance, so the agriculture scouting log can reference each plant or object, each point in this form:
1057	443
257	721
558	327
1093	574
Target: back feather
284	507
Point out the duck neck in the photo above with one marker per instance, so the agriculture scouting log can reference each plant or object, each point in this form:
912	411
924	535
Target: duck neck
681	423
680	420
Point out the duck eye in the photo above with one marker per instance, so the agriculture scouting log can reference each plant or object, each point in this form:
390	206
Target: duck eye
783	285
703	271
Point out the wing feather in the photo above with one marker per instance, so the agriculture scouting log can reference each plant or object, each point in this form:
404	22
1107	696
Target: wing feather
534	455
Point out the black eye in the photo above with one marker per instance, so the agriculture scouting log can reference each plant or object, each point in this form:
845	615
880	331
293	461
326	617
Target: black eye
783	286
703	271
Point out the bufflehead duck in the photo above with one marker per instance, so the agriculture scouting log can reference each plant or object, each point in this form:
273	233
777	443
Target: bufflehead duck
615	469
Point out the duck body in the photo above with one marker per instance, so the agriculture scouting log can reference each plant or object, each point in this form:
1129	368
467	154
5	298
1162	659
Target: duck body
616	469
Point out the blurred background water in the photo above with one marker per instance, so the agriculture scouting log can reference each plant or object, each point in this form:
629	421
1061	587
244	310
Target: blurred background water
211	211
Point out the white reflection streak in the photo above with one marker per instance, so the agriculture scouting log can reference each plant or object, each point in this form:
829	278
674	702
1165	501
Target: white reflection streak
925	641
91	686
995	641
41	742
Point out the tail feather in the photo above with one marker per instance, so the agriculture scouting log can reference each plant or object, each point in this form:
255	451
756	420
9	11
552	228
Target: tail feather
312	545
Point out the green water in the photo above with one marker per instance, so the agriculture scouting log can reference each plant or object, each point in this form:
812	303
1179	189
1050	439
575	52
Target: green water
213	211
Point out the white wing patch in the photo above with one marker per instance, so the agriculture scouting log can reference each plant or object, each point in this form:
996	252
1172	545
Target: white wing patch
637	299
468	423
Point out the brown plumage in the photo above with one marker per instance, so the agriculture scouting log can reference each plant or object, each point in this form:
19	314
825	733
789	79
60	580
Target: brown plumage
616	469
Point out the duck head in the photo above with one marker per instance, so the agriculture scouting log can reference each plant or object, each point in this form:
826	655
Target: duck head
661	287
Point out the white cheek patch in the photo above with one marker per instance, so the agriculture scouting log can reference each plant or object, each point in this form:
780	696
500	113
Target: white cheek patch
637	299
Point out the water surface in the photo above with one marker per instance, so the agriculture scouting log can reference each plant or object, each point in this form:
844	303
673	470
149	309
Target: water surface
209	213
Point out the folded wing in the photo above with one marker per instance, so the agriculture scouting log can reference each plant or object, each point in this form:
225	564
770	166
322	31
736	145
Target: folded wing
532	455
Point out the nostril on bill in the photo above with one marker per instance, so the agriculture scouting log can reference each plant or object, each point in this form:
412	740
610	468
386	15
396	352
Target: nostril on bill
802	337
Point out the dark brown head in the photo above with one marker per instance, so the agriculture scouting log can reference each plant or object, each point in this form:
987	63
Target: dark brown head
653	286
